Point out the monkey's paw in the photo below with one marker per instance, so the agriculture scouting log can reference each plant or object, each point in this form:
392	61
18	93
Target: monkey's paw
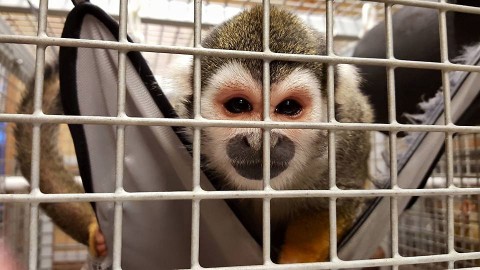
96	242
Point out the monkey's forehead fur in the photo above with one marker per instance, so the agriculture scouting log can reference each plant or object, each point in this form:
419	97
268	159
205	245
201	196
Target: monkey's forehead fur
288	34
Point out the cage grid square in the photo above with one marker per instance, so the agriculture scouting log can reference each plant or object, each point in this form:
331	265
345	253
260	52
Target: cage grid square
440	231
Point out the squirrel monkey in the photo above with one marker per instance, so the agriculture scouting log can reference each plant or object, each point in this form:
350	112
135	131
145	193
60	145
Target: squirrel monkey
232	89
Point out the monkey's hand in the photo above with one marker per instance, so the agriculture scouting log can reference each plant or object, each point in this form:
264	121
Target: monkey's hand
96	241
307	238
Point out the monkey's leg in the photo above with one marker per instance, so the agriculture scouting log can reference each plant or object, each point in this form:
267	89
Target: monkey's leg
76	219
307	238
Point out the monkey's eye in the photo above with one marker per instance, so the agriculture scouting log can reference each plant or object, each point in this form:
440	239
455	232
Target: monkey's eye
288	107
238	105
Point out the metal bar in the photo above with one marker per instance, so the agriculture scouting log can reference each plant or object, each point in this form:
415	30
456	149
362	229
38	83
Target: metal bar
117	235
36	137
362	263
332	165
390	70
120	139
134	121
442	5
37	111
118	212
239	194
52	41
33	237
197	84
266	133
449	139
64	13
392	135
195	241
266	232
186	23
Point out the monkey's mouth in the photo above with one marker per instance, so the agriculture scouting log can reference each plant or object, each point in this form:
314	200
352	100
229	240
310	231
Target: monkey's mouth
254	170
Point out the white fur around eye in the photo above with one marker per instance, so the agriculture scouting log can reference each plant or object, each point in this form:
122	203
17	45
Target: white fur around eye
299	78
230	74
305	79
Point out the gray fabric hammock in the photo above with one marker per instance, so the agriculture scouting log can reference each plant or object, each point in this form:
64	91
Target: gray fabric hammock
156	234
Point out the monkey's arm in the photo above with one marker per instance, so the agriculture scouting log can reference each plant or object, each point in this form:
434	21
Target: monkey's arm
307	238
76	219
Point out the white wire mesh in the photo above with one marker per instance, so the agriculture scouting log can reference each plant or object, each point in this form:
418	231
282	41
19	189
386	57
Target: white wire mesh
448	211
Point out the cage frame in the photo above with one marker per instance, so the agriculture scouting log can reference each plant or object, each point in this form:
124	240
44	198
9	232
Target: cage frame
38	118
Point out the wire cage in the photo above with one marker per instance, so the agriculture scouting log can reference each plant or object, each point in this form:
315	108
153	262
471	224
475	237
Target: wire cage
441	230
424	227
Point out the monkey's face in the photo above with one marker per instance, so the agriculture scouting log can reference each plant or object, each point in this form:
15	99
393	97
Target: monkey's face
232	93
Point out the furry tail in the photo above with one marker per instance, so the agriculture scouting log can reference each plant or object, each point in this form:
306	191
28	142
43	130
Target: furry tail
73	218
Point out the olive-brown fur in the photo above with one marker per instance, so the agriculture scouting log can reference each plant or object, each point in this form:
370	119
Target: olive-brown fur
73	218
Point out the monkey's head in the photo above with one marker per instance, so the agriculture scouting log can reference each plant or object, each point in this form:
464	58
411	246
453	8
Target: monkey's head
232	89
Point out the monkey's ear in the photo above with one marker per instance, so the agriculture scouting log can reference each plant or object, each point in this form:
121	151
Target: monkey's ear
154	160
177	84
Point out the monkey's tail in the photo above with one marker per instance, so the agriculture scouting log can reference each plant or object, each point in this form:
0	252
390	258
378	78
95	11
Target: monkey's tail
73	218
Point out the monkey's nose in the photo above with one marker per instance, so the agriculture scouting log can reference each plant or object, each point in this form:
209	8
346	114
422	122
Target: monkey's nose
252	142
256	142
246	142
248	161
